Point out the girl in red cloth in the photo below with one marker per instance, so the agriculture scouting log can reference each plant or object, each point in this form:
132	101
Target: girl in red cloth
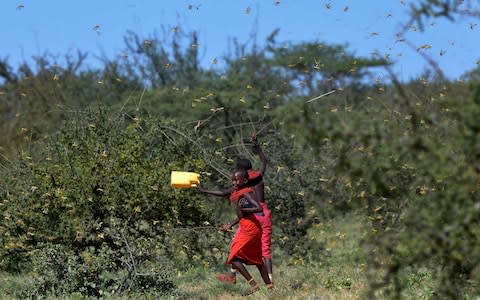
255	180
246	246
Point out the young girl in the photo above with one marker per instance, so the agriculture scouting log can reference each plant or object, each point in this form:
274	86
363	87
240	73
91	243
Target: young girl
255	180
246	246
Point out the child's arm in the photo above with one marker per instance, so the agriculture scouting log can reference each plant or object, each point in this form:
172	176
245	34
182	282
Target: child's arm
220	193
261	155
228	228
256	207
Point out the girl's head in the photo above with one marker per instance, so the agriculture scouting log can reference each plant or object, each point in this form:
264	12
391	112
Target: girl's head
239	179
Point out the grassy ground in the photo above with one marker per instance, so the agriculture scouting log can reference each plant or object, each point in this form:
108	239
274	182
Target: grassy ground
338	274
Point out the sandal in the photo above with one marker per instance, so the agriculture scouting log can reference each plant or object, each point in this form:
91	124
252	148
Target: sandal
252	289
229	278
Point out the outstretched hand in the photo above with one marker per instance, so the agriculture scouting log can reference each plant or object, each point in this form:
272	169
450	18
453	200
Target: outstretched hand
226	228
200	188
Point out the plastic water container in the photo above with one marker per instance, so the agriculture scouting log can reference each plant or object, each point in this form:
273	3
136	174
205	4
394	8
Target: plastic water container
184	179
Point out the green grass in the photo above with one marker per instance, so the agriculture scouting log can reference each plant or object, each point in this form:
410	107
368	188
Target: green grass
338	274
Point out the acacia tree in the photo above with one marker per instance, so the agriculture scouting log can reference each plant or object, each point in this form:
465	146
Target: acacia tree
166	59
423	10
319	68
35	99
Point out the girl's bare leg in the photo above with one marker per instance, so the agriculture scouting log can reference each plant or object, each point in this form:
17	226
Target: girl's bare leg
263	271
241	269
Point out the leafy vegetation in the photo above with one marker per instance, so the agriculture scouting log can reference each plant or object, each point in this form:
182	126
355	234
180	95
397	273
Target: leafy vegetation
373	186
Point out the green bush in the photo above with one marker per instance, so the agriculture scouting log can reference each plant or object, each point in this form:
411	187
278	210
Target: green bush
96	177
413	169
91	207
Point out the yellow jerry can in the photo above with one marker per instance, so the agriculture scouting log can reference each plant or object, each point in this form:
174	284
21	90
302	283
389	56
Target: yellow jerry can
184	179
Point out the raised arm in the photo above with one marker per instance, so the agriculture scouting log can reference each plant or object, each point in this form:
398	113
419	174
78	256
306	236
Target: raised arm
261	155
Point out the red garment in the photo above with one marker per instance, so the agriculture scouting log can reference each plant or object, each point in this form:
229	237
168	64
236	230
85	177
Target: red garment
247	242
265	221
253	174
238	194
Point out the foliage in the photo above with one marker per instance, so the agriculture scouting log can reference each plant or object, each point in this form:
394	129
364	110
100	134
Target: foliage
86	206
414	168
36	99
426	9
148	60
71	189
95	196
319	68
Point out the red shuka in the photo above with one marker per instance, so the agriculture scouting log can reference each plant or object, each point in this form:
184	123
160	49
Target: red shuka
238	194
247	242
253	174
264	219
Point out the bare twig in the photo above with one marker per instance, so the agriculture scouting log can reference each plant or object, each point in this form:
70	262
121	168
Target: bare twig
219	170
321	96
264	127
141	97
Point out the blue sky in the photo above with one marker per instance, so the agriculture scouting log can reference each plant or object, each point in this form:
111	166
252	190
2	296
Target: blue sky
33	27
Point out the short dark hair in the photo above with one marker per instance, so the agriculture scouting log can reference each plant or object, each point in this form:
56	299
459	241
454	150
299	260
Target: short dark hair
242	172
243	163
